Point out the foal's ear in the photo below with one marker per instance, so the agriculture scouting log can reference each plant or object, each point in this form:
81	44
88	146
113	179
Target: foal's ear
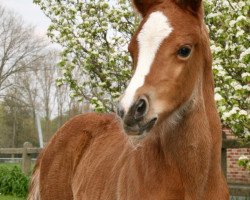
193	5
144	5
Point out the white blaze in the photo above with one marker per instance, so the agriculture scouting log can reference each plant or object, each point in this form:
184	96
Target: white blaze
153	32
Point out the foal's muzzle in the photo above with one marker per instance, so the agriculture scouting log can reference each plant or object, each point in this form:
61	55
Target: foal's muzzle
135	121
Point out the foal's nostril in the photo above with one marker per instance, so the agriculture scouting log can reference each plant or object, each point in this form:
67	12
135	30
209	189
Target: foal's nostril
141	108
120	111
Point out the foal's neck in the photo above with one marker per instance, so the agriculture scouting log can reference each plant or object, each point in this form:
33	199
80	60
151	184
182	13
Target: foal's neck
185	148
183	129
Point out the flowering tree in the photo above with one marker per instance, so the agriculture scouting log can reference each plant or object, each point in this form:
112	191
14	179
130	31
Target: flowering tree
229	32
95	63
94	35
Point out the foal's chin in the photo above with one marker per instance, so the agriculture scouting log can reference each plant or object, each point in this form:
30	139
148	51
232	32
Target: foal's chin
140	128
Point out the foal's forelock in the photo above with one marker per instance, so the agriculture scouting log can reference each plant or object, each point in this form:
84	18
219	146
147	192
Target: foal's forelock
155	30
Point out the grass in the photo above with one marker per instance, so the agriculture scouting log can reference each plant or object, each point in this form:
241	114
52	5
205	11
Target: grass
3	197
10	165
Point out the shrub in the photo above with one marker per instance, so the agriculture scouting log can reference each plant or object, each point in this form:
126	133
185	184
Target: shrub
13	181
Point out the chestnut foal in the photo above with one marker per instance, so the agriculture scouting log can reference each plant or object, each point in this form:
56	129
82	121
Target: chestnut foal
169	102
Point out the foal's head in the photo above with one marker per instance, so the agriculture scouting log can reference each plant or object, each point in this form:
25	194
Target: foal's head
168	50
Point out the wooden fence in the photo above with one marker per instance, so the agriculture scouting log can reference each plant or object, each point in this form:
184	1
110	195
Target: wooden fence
28	151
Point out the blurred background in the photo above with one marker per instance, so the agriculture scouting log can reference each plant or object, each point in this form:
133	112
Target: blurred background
60	58
29	97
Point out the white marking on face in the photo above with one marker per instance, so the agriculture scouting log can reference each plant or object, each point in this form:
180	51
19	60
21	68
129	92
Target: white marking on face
153	32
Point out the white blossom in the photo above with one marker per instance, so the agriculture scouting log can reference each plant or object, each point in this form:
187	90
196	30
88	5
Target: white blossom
243	157
239	33
241	4
226	115
238	87
215	49
218	97
233	111
245	74
243	112
243	54
241	17
232	23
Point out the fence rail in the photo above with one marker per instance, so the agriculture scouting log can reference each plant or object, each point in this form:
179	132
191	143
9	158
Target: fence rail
239	190
19	150
28	151
234	144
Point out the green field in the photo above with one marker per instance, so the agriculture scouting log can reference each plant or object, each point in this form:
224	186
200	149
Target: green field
2	197
10	165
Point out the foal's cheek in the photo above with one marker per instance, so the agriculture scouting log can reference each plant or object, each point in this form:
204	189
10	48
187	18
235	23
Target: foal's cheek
178	70
173	71
163	103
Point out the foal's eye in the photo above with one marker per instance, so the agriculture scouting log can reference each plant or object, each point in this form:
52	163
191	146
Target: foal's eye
184	51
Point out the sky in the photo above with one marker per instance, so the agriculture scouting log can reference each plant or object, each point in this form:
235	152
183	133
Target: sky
30	13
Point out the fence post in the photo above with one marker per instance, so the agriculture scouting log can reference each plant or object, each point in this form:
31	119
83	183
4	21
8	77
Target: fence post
224	157
26	158
224	161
